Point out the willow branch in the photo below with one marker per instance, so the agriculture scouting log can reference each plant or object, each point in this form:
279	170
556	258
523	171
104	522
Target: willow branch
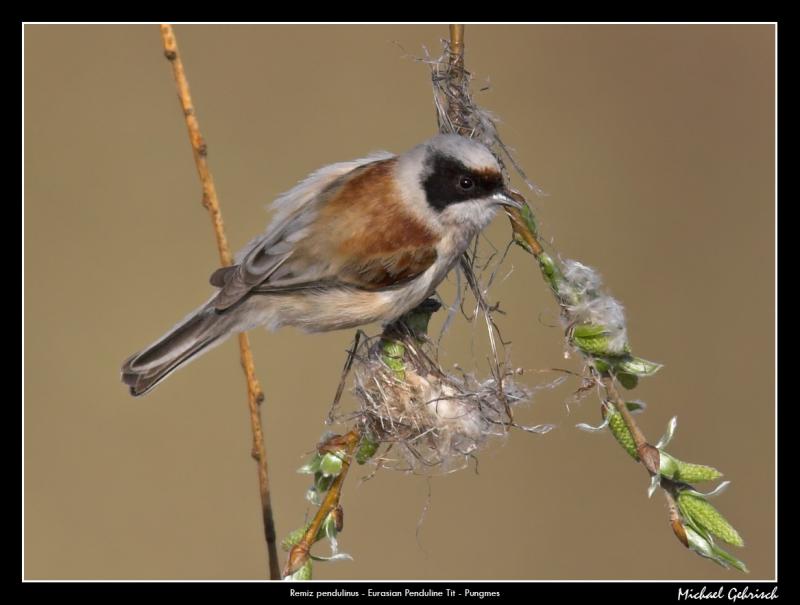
255	396
302	550
648	455
693	520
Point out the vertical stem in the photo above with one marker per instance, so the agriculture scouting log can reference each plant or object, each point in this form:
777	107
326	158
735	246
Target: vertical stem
456	101
254	394
457	45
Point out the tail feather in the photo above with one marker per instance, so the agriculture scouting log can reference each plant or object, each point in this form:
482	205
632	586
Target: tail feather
191	338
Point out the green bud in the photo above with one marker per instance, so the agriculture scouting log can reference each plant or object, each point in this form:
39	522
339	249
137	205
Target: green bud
702	515
551	272
588	331
677	470
591	339
693	473
601	365
547	265
294	538
302	574
331	464
366	449
392	354
621	433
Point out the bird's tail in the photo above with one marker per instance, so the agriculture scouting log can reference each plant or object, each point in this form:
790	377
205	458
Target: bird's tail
197	334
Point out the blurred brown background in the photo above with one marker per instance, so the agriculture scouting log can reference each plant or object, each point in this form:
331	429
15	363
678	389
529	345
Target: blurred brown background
655	144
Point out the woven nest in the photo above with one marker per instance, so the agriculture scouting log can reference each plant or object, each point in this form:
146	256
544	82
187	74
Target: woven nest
433	421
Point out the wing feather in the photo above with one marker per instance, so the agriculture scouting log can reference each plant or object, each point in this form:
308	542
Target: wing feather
318	239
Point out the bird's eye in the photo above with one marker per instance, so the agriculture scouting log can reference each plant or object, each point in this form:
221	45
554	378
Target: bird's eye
465	183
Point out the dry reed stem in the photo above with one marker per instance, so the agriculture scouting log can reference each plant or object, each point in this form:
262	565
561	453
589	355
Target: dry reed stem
210	201
457	45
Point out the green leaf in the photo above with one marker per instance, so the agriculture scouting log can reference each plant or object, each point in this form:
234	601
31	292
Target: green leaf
312	466
637	366
322	482
705	547
628	381
668	434
328	527
636	406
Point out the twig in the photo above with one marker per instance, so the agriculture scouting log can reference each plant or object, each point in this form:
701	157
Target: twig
675	517
255	396
302	550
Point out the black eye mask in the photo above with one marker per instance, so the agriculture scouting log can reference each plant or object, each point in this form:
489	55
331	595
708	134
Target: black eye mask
444	184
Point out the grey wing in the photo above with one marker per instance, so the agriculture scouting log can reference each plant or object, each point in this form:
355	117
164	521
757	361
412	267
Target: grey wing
266	257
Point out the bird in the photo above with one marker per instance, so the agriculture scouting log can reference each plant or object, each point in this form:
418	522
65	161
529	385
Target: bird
354	243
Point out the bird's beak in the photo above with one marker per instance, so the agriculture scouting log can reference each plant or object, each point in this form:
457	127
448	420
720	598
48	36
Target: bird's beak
504	198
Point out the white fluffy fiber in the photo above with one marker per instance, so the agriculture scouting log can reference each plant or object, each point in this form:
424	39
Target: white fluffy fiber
593	305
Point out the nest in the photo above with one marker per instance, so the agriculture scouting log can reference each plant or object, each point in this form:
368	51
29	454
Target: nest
433	421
